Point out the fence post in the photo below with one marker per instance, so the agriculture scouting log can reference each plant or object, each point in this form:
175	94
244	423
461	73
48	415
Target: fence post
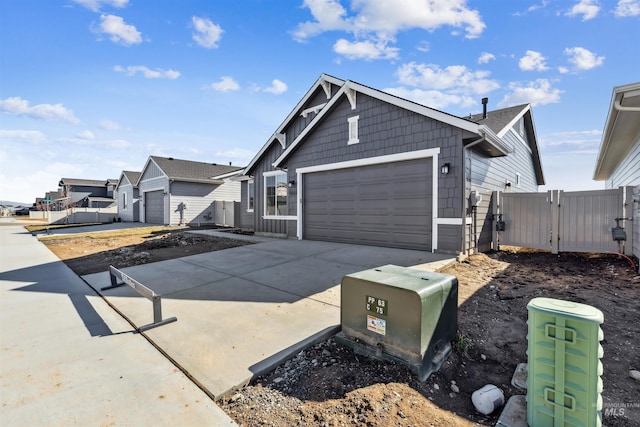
495	212
555	199
627	212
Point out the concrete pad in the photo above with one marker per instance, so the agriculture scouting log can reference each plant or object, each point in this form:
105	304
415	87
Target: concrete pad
244	310
68	359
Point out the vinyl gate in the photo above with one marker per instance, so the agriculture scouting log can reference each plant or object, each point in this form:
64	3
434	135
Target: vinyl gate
560	221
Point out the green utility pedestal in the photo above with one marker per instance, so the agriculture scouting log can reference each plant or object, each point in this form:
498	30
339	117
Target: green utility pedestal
401	314
564	386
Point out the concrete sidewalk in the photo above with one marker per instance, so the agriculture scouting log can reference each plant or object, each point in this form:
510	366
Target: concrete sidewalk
69	359
242	311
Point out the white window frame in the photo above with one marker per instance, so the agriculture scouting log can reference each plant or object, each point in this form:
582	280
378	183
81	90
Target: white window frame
250	195
353	130
265	177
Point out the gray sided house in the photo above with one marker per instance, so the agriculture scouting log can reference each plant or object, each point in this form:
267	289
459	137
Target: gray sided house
618	162
174	191
87	193
128	197
357	165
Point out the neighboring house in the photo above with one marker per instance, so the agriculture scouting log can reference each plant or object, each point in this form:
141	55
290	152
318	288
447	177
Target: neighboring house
175	191
128	196
357	165
87	193
618	161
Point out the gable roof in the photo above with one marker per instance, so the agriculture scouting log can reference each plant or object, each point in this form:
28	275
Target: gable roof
500	121
350	89
323	81
621	130
190	171
131	176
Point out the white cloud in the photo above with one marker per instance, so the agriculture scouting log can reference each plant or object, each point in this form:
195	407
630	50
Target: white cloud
277	87
485	57
96	5
22	136
423	46
627	8
538	92
207	34
148	73
367	50
49	112
533	61
433	98
589	9
119	31
455	78
583	59
85	134
109	125
374	23
226	84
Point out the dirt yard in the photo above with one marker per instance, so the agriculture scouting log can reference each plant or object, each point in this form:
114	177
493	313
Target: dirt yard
328	385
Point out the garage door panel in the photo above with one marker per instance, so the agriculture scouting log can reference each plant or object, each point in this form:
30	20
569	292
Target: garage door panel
381	205
154	207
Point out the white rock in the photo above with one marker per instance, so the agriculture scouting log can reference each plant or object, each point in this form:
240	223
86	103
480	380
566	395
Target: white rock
436	387
278	380
454	388
634	374
483	357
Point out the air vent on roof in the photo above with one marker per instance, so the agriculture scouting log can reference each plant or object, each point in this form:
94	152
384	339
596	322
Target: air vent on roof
214	164
170	158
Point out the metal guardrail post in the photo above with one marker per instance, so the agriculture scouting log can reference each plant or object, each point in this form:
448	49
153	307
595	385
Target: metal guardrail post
146	292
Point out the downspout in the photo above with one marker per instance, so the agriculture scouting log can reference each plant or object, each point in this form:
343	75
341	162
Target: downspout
168	207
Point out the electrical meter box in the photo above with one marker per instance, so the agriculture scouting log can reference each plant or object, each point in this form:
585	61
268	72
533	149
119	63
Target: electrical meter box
564	385
400	314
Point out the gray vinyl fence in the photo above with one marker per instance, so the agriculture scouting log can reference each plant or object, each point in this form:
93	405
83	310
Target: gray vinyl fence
226	213
563	221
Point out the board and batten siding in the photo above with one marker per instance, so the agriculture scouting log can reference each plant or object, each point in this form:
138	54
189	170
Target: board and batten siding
488	174
153	179
628	171
246	217
270	226
130	212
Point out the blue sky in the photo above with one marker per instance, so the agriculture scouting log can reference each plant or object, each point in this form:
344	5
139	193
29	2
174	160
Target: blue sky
89	88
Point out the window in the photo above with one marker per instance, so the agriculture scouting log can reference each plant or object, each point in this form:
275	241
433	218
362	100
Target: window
250	196
275	194
124	200
353	130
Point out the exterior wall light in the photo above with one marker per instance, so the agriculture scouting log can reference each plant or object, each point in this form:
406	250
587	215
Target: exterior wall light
445	169
292	183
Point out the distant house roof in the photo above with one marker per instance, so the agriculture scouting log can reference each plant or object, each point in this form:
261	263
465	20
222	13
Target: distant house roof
83	182
621	130
187	170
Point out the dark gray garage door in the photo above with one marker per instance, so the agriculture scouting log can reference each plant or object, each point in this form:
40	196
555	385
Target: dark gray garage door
154	207
380	205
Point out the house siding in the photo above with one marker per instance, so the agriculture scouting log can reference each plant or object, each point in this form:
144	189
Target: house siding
628	171
485	175
246	218
636	223
270	226
153	184
131	212
191	203
385	129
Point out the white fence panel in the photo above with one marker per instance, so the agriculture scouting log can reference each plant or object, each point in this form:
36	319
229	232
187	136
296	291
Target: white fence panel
586	219
527	218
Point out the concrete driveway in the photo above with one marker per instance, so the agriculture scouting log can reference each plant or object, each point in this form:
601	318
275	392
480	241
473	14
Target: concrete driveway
244	310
